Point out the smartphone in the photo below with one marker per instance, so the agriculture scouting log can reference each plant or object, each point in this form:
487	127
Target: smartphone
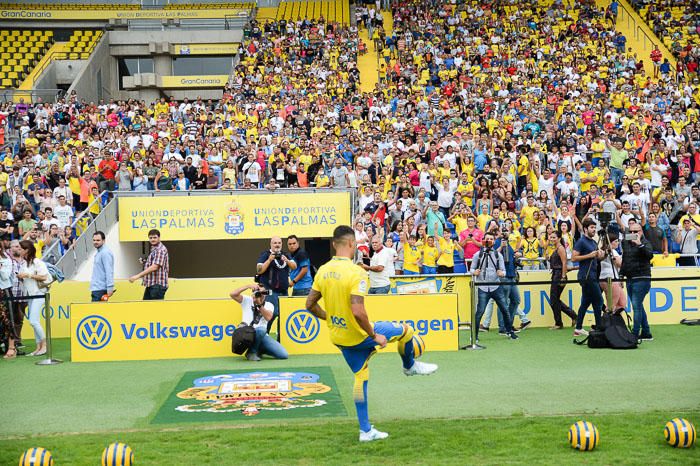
631	237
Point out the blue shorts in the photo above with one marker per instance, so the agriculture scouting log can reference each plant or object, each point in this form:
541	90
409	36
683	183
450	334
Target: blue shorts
429	270
408	272
357	356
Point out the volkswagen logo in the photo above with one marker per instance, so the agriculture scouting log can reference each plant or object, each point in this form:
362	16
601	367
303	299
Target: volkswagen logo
94	332
302	326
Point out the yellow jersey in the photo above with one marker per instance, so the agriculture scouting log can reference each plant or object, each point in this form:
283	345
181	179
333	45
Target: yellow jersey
430	256
447	250
411	258
336	280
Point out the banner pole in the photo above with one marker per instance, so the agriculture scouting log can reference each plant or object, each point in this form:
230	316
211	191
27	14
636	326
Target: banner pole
49	361
473	345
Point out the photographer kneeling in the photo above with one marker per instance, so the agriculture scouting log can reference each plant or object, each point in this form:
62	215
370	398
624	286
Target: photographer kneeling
256	313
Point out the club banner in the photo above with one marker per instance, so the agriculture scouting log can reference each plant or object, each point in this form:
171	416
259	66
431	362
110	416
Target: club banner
240	216
434	318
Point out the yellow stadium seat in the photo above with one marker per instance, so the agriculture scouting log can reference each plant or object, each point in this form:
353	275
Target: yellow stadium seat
13	74
6	83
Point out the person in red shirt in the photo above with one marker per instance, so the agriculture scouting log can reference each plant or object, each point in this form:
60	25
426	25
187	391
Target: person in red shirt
655	56
107	169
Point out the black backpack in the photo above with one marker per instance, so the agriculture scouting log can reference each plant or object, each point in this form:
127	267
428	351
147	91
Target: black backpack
613	333
242	339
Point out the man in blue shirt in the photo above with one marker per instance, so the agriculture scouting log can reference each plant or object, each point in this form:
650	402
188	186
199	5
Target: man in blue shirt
300	278
587	254
102	282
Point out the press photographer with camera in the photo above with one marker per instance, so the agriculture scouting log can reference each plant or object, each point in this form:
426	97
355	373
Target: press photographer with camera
257	312
272	272
488	266
636	267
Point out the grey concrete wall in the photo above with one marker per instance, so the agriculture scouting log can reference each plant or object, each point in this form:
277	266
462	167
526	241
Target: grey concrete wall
128	42
67	70
47	80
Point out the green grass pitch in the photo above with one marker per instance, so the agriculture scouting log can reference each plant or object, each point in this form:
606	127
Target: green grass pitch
510	404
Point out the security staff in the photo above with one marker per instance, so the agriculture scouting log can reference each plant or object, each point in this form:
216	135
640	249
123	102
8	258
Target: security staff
636	267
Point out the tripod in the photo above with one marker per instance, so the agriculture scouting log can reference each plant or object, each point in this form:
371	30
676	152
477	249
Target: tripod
604	243
484	255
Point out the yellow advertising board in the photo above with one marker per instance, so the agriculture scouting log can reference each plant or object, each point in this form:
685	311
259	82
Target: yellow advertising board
204	81
433	317
153	330
224	48
105	15
239	216
668	302
70	292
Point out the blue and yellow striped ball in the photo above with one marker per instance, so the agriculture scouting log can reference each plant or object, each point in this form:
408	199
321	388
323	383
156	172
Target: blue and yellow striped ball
36	457
418	346
680	433
118	454
583	436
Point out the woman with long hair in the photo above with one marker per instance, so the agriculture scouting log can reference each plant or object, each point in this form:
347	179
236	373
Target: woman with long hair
34	276
7	329
558	265
531	250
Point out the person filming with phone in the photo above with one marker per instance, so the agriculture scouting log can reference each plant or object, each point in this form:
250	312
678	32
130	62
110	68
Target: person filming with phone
636	267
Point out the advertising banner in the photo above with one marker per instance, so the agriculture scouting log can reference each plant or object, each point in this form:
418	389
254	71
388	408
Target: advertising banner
153	330
241	216
433	317
175	82
106	14
222	48
70	291
668	302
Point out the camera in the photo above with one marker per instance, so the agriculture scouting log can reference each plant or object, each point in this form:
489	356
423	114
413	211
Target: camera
277	255
631	237
605	218
260	293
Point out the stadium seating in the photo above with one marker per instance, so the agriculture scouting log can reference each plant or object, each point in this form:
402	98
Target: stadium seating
20	51
677	25
331	10
81	44
210	6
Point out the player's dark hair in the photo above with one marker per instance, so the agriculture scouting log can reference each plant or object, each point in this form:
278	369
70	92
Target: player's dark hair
292	237
341	233
154	232
100	234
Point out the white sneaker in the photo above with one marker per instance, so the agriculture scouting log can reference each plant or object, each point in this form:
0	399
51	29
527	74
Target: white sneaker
580	333
421	368
372	434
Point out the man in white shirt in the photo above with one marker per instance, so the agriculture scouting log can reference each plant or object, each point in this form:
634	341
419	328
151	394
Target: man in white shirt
381	267
251	170
63	212
256	312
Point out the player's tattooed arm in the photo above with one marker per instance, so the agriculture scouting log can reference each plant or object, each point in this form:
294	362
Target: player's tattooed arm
312	305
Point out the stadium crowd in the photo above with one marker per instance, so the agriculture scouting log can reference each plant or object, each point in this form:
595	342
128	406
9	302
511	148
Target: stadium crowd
506	117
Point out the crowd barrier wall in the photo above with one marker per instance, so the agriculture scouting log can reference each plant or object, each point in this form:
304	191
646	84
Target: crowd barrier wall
434	318
668	302
104	15
144	330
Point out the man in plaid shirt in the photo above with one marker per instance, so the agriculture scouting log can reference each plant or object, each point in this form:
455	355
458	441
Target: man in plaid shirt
156	269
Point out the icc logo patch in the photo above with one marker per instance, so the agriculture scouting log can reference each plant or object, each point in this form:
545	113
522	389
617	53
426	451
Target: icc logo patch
234	220
94	332
253	392
302	326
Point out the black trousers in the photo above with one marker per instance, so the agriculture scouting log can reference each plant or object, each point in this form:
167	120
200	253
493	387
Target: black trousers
558	306
154	292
